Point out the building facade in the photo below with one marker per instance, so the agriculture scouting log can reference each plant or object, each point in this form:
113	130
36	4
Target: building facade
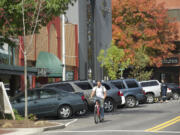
170	69
48	43
94	21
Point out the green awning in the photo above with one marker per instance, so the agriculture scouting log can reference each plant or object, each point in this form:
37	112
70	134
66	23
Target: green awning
51	62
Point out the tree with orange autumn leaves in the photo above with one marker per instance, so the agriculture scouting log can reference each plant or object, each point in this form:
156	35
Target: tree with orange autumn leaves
143	25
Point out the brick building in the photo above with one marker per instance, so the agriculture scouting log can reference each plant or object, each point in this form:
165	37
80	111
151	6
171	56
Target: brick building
49	40
171	66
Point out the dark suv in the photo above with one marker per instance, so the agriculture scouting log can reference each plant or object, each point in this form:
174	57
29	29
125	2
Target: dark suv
175	91
114	97
132	91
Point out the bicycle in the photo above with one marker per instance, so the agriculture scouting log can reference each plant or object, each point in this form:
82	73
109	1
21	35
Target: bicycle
97	114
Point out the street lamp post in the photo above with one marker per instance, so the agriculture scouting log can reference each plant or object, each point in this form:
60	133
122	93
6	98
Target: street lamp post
63	48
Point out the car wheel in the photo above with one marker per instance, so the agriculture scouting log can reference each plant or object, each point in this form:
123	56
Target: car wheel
175	96
108	105
150	98
130	102
84	111
64	112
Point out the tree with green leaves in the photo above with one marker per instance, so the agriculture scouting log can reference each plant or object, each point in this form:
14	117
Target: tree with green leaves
138	71
26	17
37	13
114	61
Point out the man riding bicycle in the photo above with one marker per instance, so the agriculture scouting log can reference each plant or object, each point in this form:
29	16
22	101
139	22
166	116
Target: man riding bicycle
100	92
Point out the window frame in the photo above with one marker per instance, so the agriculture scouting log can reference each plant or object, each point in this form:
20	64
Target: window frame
118	83
129	82
83	87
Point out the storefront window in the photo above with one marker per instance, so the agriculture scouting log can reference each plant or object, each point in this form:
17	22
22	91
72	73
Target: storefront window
69	75
6	54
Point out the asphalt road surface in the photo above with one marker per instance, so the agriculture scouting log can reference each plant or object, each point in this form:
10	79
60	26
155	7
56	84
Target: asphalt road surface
147	119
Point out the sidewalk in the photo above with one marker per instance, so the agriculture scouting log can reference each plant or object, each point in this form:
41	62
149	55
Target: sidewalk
2	131
29	131
23	131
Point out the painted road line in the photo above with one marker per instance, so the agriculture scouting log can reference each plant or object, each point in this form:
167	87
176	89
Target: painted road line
113	131
165	124
67	124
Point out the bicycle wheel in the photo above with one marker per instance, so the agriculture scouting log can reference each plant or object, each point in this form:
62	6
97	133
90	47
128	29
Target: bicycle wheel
96	116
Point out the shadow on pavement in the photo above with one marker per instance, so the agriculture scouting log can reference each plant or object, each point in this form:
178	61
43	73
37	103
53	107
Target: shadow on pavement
105	121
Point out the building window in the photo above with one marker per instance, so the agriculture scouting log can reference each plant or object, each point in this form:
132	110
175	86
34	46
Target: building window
6	54
174	13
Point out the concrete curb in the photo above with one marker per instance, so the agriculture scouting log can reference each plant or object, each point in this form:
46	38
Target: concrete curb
32	131
59	126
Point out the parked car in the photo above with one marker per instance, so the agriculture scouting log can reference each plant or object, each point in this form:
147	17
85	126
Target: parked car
77	87
175	91
114	98
85	87
132	91
152	89
49	102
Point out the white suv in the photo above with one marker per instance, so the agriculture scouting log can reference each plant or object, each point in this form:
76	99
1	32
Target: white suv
152	89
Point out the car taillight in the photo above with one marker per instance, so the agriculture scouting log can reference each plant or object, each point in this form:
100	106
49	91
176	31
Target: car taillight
120	93
143	92
169	89
83	98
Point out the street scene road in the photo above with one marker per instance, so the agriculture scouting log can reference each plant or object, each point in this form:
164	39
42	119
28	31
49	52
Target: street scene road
59	59
136	121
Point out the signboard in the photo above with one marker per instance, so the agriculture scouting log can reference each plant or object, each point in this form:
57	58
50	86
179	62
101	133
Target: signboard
69	75
42	72
5	105
173	60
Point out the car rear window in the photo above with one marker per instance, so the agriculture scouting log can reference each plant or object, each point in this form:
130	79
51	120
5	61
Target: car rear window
83	85
106	86
65	86
21	97
154	83
151	83
131	84
43	94
145	84
119	85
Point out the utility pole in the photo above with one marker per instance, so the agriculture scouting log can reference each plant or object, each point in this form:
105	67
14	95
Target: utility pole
93	62
63	48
